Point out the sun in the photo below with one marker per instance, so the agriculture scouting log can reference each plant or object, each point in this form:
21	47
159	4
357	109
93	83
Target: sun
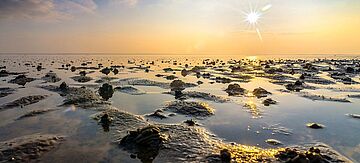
253	17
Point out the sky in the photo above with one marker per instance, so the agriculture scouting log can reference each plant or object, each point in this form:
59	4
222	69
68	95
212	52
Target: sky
180	26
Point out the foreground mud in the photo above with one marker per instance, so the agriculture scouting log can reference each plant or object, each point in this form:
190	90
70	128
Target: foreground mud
28	148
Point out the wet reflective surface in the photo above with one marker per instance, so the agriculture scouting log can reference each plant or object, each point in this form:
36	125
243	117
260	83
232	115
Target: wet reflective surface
244	119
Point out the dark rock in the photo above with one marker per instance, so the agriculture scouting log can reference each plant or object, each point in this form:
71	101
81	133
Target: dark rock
115	71
24	101
105	71
269	102
177	85
260	92
234	90
315	125
106	91
225	155
145	143
196	109
82	79
190	122
21	80
105	122
157	114
51	77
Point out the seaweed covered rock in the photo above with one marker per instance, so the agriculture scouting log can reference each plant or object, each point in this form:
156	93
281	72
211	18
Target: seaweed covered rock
130	90
106	91
21	80
269	101
202	95
51	77
35	113
145	143
177	85
260	92
157	114
28	148
297	86
319	153
4	73
192	108
79	96
235	90
24	101
82	79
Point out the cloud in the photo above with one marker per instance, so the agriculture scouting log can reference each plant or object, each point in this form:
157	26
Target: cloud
49	10
129	3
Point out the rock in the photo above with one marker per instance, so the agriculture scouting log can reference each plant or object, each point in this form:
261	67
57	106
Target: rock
202	95
24	101
315	125
6	91
105	71
73	69
146	82
145	142
4	73
297	86
269	102
315	97
39	68
177	85
21	80
105	122
354	115
235	90
51	77
170	77
157	114
35	113
190	122
350	70
260	92
130	90
81	97
63	86
82	79
184	72
312	153
195	109
225	155
82	73
115	71
168	69
106	91
273	142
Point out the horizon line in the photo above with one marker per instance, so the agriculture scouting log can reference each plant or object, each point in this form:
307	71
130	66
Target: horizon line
135	53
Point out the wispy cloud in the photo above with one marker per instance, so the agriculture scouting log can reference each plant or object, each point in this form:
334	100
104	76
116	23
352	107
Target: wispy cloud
48	10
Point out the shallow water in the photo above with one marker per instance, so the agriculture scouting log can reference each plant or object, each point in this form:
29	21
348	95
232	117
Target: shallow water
86	141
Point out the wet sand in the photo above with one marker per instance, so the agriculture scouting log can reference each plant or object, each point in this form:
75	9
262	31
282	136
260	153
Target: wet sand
198	109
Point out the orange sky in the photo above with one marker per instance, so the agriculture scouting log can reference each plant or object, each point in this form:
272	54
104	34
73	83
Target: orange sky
195	27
